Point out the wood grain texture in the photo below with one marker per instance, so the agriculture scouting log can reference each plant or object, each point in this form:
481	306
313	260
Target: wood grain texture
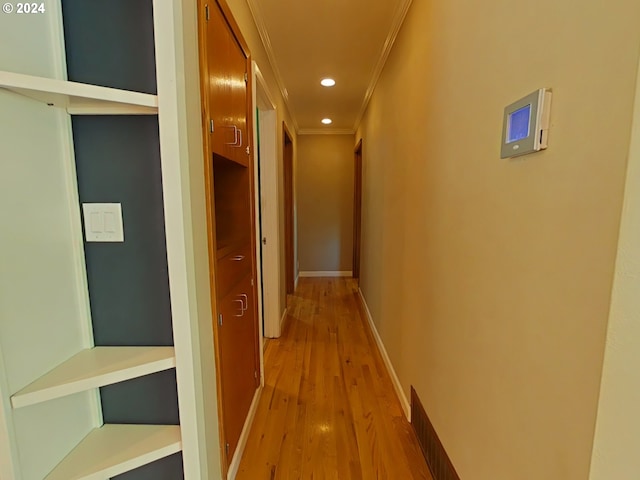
328	409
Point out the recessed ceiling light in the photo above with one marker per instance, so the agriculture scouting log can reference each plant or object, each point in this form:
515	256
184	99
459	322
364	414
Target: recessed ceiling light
327	82
327	121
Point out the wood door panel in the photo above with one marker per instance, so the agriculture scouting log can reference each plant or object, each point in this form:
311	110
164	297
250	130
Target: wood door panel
237	358
219	77
224	60
232	193
227	90
239	105
232	267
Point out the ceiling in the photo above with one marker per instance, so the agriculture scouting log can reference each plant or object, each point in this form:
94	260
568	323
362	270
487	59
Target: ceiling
348	40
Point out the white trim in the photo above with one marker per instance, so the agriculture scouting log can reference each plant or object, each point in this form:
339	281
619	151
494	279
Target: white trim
283	318
264	97
261	300
79	98
295	284
327	274
244	436
406	406
326	131
258	19
177	119
398	20
82	283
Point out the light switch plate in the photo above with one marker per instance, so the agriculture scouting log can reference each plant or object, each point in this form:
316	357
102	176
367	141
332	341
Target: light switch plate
103	222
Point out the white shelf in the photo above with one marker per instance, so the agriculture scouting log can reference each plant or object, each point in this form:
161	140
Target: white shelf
94	368
80	98
114	449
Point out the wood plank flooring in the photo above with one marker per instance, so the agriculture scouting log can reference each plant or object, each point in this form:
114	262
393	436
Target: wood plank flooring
328	409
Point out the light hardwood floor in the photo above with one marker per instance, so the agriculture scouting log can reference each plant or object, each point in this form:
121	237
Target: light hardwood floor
328	409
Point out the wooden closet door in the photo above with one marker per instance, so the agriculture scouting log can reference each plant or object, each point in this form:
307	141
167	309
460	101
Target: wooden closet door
219	78
239	104
231	227
237	358
227	89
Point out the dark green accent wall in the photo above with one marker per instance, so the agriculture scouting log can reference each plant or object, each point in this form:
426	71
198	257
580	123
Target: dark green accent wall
118	160
150	400
110	43
171	470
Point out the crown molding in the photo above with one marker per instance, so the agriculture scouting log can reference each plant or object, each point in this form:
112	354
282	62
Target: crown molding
398	20
268	47
400	15
326	131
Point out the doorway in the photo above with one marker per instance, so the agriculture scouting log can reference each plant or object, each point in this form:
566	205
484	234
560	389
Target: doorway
268	248
287	158
357	210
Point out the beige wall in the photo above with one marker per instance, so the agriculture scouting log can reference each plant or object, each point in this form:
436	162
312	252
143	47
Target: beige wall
325	202
615	451
490	280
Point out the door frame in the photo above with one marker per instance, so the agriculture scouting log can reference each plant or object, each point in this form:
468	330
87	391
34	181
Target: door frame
266	203
289	220
357	210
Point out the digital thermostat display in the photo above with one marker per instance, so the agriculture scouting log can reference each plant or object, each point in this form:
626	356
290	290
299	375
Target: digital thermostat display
519	124
525	124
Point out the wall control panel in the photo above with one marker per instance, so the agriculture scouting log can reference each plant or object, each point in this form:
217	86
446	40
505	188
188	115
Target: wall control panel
103	222
525	125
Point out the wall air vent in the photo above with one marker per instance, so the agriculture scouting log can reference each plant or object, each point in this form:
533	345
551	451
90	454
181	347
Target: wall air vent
437	459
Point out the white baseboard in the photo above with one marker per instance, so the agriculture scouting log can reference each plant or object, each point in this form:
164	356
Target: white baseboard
244	436
327	274
406	406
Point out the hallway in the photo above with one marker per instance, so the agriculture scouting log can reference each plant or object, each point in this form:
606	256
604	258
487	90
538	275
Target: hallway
328	409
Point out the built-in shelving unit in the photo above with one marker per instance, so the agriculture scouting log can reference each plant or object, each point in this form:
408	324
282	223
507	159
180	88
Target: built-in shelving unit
80	98
93	368
104	141
114	449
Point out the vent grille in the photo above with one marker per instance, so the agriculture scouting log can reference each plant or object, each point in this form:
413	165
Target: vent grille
435	454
